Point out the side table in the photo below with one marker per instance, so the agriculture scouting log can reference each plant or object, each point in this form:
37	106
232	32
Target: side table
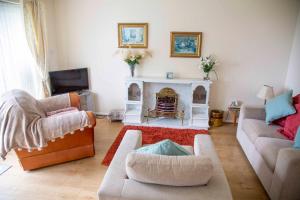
235	110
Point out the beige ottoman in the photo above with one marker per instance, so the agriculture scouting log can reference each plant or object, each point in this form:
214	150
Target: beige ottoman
116	185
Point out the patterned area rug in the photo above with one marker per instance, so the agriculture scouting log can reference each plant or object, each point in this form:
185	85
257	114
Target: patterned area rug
152	135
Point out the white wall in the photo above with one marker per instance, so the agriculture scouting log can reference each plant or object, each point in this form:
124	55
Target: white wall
51	36
293	74
251	38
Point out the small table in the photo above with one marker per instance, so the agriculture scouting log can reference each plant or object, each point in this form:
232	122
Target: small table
235	110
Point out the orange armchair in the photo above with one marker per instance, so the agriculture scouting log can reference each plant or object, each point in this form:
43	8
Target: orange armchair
72	146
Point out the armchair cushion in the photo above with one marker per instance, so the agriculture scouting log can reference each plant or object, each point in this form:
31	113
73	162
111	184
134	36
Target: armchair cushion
58	125
55	103
61	111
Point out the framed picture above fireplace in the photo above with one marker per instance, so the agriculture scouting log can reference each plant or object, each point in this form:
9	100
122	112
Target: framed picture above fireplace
186	44
133	35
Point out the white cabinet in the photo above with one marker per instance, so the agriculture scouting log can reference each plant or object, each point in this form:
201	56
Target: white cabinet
193	99
134	102
199	114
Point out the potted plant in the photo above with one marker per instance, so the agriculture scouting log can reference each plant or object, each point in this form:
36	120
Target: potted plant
207	64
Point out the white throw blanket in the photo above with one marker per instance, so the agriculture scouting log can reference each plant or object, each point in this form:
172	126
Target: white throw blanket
24	124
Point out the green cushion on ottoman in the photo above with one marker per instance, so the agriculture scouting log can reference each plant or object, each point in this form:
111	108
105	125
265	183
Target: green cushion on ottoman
165	147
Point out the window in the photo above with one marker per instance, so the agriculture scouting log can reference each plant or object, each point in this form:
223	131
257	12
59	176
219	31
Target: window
17	66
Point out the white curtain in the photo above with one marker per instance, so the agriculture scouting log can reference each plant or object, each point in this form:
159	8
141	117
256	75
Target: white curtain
35	28
17	66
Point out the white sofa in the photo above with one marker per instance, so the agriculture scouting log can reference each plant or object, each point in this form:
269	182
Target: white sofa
116	185
272	156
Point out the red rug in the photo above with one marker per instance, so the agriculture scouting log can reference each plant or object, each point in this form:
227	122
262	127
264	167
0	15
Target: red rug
152	135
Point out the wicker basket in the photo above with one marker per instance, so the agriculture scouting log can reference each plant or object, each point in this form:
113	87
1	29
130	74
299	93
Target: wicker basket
216	118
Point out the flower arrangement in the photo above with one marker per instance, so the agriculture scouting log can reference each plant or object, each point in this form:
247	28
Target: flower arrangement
207	64
133	58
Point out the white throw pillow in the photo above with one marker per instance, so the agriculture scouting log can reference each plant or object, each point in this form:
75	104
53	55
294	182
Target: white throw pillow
169	170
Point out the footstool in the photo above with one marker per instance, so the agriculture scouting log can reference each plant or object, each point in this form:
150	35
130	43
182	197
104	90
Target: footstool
117	186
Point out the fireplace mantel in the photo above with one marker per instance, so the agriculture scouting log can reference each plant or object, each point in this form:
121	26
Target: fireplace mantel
193	99
164	80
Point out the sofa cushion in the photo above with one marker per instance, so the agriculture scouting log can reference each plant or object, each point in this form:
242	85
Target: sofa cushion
257	128
169	170
291	124
269	149
297	139
281	121
279	107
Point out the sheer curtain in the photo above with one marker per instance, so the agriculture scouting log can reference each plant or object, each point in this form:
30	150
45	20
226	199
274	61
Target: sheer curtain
17	66
35	28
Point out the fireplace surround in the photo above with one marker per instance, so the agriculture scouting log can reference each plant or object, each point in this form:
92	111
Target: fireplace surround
144	97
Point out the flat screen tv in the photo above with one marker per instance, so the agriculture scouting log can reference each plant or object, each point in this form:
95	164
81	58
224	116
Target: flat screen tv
68	81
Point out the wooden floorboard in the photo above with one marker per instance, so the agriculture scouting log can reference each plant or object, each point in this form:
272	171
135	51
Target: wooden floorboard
79	180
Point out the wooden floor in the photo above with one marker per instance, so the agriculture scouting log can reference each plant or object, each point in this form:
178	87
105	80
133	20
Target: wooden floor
81	179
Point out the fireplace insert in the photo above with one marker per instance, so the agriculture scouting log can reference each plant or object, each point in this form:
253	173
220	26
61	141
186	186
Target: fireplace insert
166	105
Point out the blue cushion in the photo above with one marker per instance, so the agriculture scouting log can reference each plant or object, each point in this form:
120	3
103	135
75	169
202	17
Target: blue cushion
297	139
280	106
165	147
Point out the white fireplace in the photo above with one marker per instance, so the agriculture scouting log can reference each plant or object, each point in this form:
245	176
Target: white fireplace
193	99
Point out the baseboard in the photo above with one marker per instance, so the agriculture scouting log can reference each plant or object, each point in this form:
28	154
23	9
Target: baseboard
101	113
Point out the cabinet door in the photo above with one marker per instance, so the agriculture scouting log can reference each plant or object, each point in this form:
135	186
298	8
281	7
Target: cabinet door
200	95
134	92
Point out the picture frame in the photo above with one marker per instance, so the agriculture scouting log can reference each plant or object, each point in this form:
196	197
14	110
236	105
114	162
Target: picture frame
133	35
186	44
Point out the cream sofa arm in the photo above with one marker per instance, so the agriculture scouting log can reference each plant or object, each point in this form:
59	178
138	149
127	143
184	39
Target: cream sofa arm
285	182
115	176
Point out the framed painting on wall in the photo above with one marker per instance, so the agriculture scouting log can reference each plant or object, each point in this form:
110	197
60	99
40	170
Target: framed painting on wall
186	44
133	35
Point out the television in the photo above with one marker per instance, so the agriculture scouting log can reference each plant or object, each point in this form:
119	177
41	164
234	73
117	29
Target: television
68	81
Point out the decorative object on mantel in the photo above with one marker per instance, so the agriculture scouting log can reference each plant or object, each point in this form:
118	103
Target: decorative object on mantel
169	75
186	44
207	64
266	92
152	135
133	57
133	35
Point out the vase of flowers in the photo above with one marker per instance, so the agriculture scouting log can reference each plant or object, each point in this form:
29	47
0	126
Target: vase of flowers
133	58
207	64
132	61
